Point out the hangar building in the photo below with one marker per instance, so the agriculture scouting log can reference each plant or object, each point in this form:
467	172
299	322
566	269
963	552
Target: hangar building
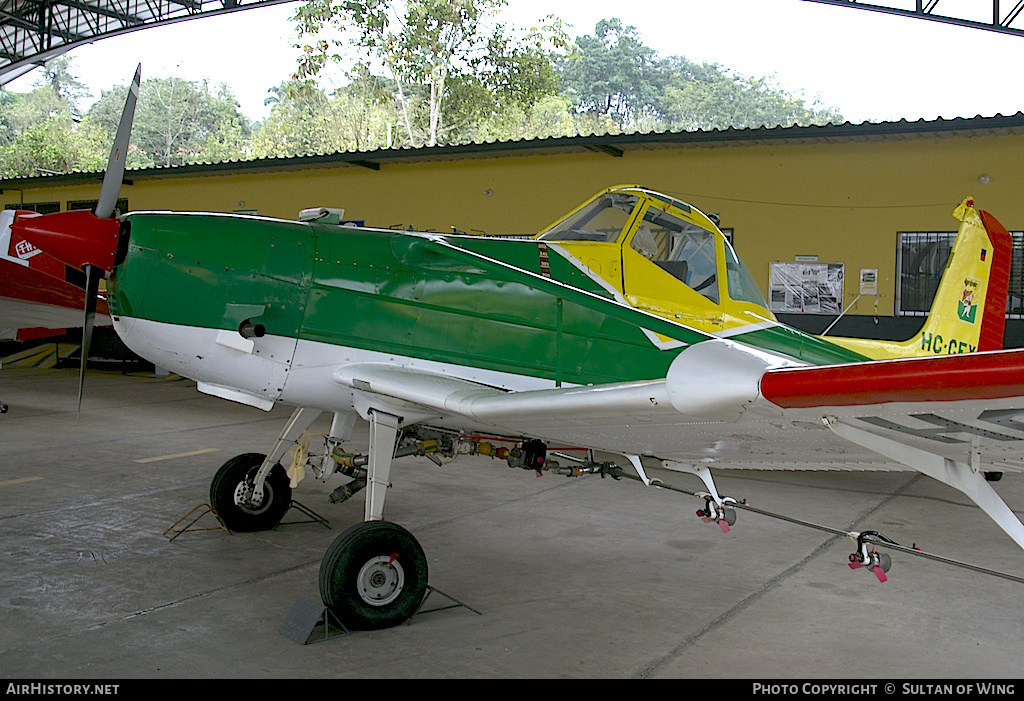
862	211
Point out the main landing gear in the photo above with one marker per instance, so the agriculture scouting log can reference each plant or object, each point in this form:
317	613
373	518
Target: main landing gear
374	575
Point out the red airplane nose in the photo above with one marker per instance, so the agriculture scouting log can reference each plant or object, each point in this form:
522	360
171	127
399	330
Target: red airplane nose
77	238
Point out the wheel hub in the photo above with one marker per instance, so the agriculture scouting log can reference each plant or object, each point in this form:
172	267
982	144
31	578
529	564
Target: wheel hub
380	580
243	498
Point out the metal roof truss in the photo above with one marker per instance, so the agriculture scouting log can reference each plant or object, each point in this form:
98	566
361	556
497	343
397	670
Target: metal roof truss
35	31
1000	20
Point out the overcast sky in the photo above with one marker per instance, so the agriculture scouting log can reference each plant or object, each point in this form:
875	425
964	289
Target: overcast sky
871	66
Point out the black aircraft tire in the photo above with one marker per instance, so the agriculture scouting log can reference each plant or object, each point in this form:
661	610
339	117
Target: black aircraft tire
373	576
277	494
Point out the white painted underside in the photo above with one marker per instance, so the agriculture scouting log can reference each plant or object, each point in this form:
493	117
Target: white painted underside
316	375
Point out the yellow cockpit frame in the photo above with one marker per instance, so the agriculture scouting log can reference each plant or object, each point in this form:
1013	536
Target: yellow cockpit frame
663	256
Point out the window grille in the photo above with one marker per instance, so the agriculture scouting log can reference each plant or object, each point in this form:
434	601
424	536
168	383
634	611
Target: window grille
921	260
40	207
122	204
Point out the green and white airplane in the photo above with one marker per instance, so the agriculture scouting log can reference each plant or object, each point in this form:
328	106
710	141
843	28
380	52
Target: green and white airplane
628	327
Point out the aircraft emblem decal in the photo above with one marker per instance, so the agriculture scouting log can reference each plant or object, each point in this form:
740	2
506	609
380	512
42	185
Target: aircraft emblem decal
967	308
25	250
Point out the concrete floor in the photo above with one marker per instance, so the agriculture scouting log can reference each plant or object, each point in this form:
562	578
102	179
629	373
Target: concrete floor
578	578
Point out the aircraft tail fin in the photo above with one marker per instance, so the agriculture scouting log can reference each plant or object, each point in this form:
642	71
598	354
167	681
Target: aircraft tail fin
993	324
969	310
968	313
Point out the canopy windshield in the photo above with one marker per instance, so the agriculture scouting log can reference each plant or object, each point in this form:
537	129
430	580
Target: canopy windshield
602	220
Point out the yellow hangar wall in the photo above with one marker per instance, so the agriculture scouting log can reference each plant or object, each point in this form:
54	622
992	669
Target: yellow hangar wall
842	202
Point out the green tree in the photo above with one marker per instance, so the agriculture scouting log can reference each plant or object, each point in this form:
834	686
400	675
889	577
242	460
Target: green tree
617	82
39	134
612	72
58	73
21	111
707	96
177	121
450	65
300	123
53	146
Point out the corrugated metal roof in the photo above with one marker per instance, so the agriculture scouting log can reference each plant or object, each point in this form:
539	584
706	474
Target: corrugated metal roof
613	145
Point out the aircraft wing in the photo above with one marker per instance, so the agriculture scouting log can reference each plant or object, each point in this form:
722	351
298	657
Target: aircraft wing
848	389
954	418
724	402
961	407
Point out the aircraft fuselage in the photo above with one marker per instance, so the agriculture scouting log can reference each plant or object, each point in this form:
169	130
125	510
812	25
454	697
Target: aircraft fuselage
482	309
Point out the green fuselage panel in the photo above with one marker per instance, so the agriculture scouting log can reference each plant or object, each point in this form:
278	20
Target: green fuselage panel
194	270
502	305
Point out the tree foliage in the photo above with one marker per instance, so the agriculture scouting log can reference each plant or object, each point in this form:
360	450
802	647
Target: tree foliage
177	121
58	73
450	64
613	73
305	120
39	130
412	73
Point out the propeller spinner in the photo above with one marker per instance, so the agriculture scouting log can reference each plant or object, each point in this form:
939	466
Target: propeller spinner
84	240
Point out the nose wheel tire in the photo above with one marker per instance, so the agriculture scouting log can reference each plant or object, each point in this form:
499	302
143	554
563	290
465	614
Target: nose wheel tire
232	487
374	575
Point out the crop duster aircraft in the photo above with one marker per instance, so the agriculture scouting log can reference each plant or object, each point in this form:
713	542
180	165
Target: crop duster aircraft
628	327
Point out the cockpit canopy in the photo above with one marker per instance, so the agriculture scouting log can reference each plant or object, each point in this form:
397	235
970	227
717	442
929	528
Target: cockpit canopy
675	237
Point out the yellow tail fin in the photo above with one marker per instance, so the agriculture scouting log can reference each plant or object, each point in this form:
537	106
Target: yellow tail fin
969	310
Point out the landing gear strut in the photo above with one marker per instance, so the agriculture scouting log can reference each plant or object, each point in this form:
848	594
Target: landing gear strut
374	575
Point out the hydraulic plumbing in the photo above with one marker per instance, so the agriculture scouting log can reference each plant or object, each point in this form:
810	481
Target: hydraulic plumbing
439	446
354	465
532	455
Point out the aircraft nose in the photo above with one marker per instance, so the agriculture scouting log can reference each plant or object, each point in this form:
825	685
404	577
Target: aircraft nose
77	238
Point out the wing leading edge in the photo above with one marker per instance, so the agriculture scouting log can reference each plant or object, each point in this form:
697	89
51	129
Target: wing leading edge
950	378
899	409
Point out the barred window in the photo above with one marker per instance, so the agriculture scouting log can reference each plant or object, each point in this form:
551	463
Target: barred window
921	260
1015	302
41	207
122	204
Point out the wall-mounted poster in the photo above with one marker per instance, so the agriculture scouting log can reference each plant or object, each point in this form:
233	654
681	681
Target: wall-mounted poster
806	288
868	281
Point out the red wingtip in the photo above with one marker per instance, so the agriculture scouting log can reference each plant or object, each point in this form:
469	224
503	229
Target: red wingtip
77	238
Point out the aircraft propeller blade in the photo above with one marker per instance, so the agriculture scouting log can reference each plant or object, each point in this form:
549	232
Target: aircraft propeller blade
114	175
84	240
93	274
